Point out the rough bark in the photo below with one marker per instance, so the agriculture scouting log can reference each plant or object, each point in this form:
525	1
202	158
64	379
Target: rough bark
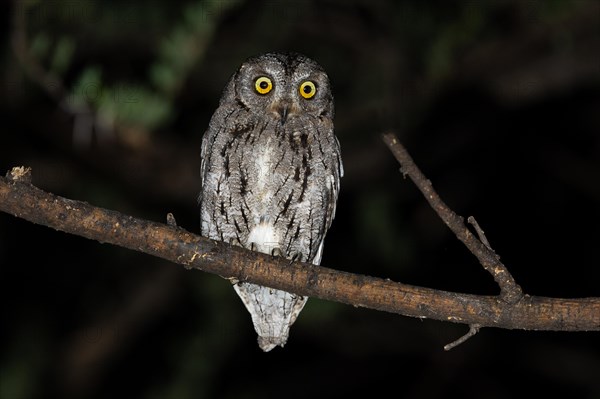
21	199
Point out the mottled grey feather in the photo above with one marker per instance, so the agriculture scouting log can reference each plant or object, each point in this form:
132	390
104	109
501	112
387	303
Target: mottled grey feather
271	171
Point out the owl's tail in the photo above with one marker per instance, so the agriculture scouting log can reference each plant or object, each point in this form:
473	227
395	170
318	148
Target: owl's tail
273	312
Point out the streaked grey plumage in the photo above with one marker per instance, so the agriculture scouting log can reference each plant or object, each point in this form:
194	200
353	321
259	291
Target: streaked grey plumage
271	171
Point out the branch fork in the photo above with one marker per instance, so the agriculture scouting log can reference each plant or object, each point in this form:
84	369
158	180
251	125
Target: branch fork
510	291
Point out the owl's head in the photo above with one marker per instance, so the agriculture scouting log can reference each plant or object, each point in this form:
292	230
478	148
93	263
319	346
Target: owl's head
283	85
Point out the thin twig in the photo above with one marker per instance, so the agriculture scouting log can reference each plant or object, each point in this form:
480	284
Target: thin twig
171	220
510	291
174	244
473	329
85	119
479	231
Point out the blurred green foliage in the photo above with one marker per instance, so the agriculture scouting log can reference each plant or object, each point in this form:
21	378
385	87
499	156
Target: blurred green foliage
140	106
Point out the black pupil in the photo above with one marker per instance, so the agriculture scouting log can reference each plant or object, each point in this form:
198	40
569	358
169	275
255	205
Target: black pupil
263	85
307	89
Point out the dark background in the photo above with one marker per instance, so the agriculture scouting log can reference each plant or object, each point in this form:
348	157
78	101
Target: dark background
497	101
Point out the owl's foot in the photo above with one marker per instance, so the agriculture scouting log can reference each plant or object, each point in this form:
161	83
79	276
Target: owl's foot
233	280
235	241
267	248
296	258
275	252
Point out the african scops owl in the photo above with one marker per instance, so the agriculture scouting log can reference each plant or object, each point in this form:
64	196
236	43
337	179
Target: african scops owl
271	171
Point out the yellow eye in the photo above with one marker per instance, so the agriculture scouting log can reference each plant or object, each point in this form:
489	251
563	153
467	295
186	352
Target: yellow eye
308	89
263	85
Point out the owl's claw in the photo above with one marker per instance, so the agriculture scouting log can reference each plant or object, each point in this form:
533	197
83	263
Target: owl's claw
233	280
275	252
235	241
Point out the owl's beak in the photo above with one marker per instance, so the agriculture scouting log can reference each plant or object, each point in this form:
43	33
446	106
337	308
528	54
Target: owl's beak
284	108
283	112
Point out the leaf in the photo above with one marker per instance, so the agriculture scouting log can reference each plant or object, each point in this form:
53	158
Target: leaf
63	54
40	45
88	88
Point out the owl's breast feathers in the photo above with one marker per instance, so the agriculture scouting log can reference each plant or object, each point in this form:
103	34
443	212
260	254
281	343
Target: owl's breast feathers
262	176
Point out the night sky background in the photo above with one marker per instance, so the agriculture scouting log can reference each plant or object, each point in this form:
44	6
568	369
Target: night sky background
498	102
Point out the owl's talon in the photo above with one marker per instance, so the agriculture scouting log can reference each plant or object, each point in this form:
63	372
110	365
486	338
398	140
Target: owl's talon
275	252
233	280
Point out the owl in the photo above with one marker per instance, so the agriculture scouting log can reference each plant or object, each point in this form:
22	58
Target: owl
271	170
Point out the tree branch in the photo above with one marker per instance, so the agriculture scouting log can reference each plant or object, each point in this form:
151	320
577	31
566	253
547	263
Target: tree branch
510	291
473	329
21	199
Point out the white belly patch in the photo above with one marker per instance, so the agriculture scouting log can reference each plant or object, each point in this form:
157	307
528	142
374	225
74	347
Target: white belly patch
264	237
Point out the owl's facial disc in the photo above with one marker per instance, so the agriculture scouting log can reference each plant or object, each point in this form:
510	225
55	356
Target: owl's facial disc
284	86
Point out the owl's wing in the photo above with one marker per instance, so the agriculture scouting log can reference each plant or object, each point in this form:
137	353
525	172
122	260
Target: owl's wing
336	175
337	171
220	116
205	153
203	163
